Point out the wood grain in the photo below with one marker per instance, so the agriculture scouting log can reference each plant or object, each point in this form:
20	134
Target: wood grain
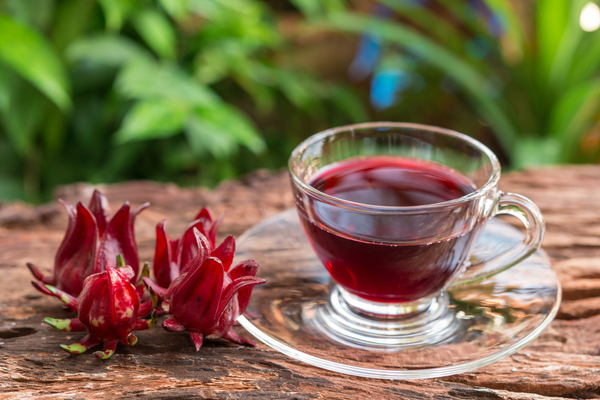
564	362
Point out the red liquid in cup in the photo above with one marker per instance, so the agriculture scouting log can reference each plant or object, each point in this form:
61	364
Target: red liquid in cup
381	270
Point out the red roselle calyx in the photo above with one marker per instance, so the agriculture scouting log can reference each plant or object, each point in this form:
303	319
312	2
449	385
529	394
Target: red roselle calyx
209	295
91	245
108	308
171	257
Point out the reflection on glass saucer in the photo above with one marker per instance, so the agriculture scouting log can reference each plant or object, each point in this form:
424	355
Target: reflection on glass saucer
489	320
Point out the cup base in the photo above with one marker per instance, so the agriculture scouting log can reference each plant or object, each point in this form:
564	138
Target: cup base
367	325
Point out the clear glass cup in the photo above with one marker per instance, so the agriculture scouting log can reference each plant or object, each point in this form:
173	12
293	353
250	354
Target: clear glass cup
392	279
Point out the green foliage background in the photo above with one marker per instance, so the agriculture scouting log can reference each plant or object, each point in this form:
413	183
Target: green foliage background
196	91
110	90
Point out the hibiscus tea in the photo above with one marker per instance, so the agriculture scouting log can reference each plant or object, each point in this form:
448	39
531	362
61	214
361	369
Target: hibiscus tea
371	256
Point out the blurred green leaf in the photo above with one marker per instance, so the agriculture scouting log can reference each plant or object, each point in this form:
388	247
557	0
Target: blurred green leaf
11	189
177	9
22	113
207	136
111	50
233	123
157	32
36	13
514	28
574	113
146	79
474	84
152	119
315	8
435	24
588	58
310	8
32	57
72	19
115	12
349	103
552	17
534	151
566	50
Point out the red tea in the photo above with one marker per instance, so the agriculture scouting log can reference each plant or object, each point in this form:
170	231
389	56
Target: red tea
365	254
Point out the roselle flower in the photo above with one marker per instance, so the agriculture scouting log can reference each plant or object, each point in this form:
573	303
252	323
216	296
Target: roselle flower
108	308
172	256
91	245
209	296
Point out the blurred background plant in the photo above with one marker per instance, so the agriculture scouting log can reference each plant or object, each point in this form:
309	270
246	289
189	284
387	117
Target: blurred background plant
109	90
528	69
197	91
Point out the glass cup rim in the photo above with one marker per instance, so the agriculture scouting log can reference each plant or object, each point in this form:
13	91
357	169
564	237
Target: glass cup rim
483	189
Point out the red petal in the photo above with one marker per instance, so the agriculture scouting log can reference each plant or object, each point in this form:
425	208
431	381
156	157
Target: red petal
233	336
225	252
192	244
72	214
172	325
212	231
196	299
206	214
124	298
162	256
99	208
92	298
196	338
245	268
75	259
232	289
38	275
119	239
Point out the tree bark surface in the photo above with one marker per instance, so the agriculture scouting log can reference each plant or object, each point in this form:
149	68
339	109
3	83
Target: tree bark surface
564	362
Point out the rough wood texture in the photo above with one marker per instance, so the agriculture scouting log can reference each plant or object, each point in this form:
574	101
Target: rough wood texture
563	362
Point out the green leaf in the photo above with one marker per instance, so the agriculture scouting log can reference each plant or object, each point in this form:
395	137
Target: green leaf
146	79
206	136
476	86
157	32
110	50
231	122
310	8
588	58
72	19
32	57
316	8
534	151
567	48
435	25
36	13
22	109
573	113
552	17
152	119
349	103
177	9
514	28
115	12
11	189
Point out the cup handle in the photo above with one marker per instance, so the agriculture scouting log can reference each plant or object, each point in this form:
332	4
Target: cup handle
529	214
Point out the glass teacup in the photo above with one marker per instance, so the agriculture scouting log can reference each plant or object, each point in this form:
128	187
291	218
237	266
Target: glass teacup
392	210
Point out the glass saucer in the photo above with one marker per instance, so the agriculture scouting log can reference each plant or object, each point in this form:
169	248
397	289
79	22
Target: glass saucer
491	319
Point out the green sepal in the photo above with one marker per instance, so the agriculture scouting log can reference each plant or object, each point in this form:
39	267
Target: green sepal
104	355
75	348
62	296
145	272
120	264
60	324
131	340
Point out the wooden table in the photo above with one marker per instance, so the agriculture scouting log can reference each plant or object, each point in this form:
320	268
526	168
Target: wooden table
563	362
